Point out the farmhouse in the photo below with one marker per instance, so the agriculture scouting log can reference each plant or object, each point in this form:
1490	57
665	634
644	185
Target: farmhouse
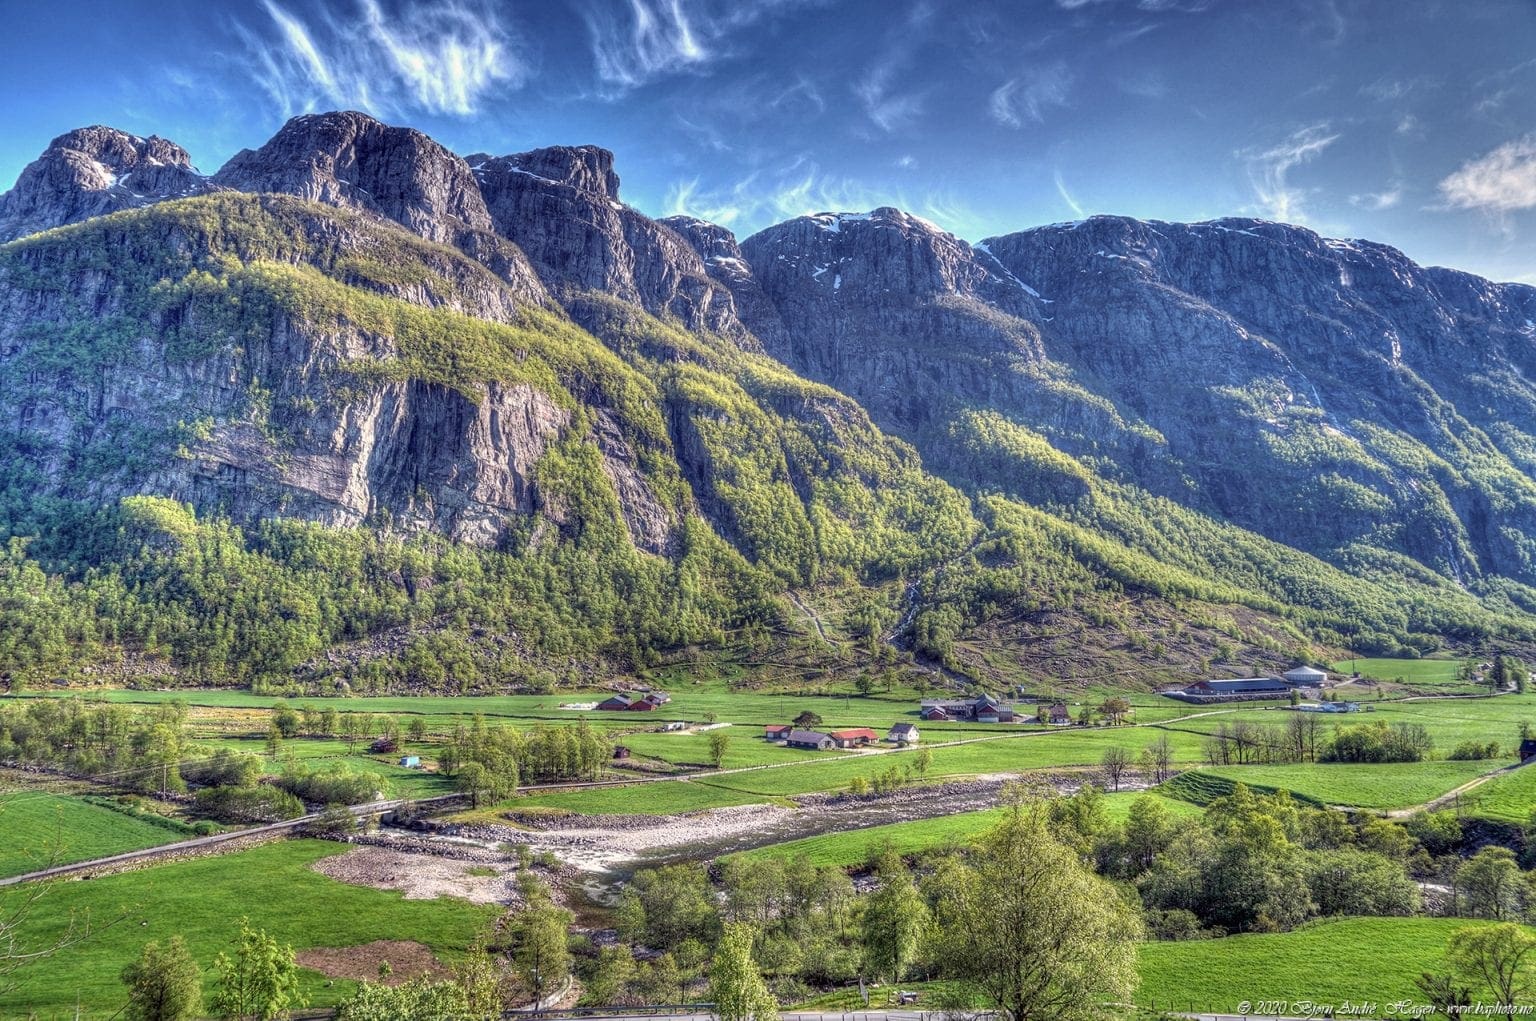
856	737
811	739
1056	715
777	731
983	709
1528	749
621	751
410	761
903	733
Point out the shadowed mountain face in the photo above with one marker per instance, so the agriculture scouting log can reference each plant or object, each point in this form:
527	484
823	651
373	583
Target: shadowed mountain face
1331	395
354	327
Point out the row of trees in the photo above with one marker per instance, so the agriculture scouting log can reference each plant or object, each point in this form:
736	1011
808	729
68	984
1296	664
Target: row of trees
1303	737
139	749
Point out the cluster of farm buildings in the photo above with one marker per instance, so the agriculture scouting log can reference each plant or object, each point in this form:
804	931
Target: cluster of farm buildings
1251	689
984	709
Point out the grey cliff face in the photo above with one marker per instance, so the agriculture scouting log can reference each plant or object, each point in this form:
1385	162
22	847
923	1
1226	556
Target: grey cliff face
726	265
92	171
561	206
289	420
1306	381
881	305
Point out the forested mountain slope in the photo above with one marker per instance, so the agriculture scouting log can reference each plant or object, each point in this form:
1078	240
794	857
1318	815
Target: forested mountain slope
356	410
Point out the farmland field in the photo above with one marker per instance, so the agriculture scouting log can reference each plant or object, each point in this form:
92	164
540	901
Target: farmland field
1428	672
56	829
1507	798
203	901
1373	959
1360	785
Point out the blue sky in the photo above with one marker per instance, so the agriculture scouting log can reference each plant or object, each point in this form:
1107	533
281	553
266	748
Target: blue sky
1411	122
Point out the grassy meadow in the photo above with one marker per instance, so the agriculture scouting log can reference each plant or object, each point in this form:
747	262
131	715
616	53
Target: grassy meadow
1327	962
203	900
58	829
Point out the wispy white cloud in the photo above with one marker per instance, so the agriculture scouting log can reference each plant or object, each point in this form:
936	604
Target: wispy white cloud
638	41
684	198
1376	201
1269	170
1029	96
1066	196
442	57
800	187
885	103
1390	89
1501	181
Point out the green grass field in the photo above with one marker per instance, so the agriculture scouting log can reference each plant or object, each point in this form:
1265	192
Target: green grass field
922	835
1418	672
1507	798
1068	748
1327	962
1384	785
56	829
323	753
203	901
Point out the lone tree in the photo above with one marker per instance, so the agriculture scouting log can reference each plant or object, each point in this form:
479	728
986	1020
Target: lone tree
259	980
807	720
895	920
719	741
1115	710
1115	762
540	937
1030	927
164	984
1500	959
735	984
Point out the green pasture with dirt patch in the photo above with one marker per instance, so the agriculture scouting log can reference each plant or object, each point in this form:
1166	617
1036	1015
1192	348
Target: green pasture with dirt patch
203	901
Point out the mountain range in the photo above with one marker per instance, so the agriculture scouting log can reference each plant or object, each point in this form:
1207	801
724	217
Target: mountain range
357	411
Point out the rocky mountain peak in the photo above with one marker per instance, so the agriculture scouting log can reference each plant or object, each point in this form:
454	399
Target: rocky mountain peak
561	206
583	167
92	171
885	252
352	160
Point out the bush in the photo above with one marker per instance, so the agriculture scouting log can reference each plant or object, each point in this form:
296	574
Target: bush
1472	750
248	804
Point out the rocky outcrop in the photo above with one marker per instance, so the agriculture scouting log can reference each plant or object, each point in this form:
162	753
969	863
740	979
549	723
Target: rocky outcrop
351	160
283	409
724	262
561	206
92	171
